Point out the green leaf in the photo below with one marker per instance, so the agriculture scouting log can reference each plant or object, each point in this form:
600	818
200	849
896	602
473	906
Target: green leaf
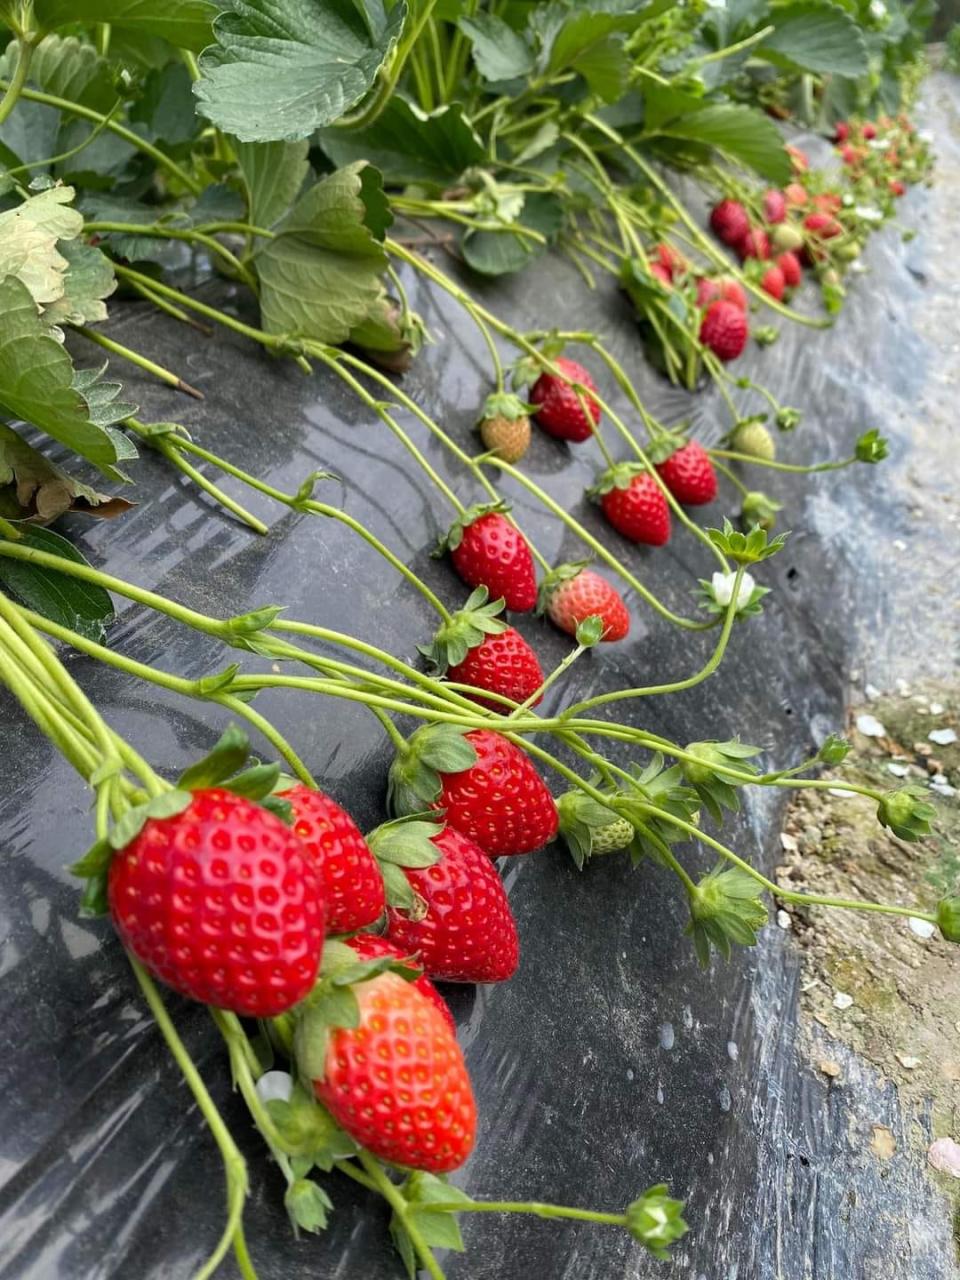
33	488
274	174
740	132
502	252
320	276
499	52
68	68
82	606
408	145
282	68
88	279
36	380
165	107
605	67
185	23
818	37
29	233
567	34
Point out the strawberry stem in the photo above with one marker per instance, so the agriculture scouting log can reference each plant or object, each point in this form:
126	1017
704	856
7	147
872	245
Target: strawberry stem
395	1198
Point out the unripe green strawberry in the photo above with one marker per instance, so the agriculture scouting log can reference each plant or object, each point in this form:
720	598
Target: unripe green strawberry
754	439
786	238
613	837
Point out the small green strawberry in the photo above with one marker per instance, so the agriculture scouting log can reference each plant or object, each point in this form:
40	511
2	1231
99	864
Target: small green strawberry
752	437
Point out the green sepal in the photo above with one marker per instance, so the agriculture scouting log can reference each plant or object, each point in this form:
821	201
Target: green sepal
745	548
590	631
255	783
308	1130
664	445
307	1205
248	624
454	535
166	805
787	419
414	782
871	447
663	788
97	858
439	1230
834	749
405	842
580	817
279	807
906	812
617	477
656	1221
715	791
305	493
503	404
765	335
725	908
208	686
230	754
466	629
948	918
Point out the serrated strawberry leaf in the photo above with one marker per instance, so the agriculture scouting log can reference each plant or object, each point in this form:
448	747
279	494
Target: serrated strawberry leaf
184	23
320	274
410	145
80	606
33	488
273	174
281	69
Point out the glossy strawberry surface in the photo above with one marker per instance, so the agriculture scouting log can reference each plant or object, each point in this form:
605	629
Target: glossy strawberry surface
689	475
724	330
504	664
559	409
639	511
494	554
588	595
371	946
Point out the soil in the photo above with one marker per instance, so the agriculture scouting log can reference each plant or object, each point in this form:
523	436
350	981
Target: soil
875	983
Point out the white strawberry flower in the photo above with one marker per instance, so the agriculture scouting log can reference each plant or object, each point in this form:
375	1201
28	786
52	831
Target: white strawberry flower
722	587
878	10
274	1085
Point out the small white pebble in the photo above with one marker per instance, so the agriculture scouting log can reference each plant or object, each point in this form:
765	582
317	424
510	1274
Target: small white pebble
871	691
942	787
788	842
907	1062
840	791
898	770
944	1156
870	727
783	919
842	1001
937	708
922	928
943	737
899	544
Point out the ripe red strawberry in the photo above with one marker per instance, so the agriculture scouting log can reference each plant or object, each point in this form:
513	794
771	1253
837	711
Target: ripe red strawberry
774	282
822	226
660	272
559	410
353	886
462	928
729	221
571	593
774	206
370	946
486	785
689	475
397	1082
852	156
796	194
724	330
222	903
842	132
504	664
869	131
731	290
633	502
897	188
828	202
488	551
755	244
789	264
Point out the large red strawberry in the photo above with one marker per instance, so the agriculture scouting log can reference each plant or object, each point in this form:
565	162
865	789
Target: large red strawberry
724	330
732	290
670	259
397	1082
371	946
774	206
841	132
476	647
729	221
869	131
351	878
571	593
222	903
460	926
488	551
789	264
633	502
688	473
561	411
485	785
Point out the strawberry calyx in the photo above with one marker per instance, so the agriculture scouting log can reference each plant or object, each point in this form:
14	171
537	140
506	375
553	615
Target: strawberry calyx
725	907
664	446
405	842
414	781
223	767
504	404
620	476
551	581
465	631
714	790
745	548
590	828
454	535
759	508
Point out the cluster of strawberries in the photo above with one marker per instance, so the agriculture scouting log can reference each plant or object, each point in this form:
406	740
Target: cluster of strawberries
885	151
